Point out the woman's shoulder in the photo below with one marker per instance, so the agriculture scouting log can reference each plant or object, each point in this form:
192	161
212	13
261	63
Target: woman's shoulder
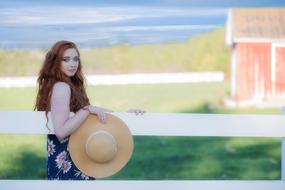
61	88
61	84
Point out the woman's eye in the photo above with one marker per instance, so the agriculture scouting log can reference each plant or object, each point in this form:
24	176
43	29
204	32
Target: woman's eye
65	59
76	59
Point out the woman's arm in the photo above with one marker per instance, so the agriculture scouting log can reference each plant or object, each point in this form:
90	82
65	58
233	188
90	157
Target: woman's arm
63	124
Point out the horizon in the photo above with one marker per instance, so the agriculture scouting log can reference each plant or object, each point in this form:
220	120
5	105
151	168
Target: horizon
38	24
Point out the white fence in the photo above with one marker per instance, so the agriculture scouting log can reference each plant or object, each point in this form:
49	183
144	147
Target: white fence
163	124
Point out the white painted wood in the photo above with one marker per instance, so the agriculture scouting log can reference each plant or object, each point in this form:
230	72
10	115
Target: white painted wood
274	46
283	160
259	40
142	185
234	72
23	122
162	124
170	124
229	29
283	152
125	79
155	78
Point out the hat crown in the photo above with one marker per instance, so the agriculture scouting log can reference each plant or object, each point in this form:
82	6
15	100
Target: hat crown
101	147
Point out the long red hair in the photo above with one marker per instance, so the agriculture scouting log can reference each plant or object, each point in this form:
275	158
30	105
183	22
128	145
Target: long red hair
51	73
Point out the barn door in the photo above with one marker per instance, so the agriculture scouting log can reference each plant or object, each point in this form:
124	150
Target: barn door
253	72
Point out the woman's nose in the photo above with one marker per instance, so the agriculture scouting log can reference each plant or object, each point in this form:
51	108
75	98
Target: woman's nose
73	63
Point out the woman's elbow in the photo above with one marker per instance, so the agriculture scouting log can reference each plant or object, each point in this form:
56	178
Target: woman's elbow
60	135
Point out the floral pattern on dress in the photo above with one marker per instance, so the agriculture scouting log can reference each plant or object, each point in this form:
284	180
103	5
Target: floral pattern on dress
59	164
60	159
50	148
82	175
66	166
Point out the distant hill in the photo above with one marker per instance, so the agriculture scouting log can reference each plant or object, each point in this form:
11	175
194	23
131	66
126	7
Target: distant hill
206	52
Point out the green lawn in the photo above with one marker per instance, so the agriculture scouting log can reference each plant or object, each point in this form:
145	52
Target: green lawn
153	98
203	158
23	156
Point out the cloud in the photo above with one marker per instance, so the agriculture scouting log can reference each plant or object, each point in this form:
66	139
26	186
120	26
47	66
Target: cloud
94	26
160	28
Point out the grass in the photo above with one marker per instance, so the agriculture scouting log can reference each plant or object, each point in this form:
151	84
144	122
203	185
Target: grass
203	158
206	52
24	157
154	98
20	62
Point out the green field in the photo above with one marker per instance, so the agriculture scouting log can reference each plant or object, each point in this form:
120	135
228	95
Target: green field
206	52
24	156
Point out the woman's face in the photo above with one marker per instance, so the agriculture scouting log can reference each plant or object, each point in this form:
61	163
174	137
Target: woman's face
70	62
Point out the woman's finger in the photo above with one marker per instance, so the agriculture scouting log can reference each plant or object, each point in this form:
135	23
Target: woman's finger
102	117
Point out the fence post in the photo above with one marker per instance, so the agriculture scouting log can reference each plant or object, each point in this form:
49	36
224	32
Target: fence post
283	160
283	153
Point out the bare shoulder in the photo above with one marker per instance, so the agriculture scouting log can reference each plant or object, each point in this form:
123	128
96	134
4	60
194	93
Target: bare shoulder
61	85
61	89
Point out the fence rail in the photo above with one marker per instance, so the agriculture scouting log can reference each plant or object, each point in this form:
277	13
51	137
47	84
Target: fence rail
125	79
162	124
143	185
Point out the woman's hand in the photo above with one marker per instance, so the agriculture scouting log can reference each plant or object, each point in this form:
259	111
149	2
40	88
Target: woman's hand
136	111
100	112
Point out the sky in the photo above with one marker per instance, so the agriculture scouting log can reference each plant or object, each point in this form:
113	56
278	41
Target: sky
103	23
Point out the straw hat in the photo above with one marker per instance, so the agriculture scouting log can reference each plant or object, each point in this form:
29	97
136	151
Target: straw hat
100	150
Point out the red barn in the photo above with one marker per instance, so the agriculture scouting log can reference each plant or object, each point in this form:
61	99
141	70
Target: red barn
257	37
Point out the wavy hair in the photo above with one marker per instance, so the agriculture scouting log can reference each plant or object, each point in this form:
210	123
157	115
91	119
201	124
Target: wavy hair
51	73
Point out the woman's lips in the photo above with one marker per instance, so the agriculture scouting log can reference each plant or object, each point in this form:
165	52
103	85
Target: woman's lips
72	70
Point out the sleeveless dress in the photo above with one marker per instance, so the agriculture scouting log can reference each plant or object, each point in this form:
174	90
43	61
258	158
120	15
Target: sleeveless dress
59	162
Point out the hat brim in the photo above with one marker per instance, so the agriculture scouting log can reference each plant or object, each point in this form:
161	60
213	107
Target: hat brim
120	132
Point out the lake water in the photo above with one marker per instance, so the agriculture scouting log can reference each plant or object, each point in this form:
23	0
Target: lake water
38	24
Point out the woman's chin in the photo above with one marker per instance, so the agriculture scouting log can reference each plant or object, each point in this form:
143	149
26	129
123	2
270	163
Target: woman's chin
70	74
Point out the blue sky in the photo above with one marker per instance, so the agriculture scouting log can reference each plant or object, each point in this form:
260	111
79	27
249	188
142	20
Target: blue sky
38	24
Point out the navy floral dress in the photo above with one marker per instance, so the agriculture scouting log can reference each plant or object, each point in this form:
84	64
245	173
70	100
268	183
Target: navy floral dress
59	164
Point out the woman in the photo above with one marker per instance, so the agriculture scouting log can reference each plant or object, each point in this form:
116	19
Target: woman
61	91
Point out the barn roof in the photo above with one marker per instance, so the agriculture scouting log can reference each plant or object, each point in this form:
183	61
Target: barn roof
256	24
